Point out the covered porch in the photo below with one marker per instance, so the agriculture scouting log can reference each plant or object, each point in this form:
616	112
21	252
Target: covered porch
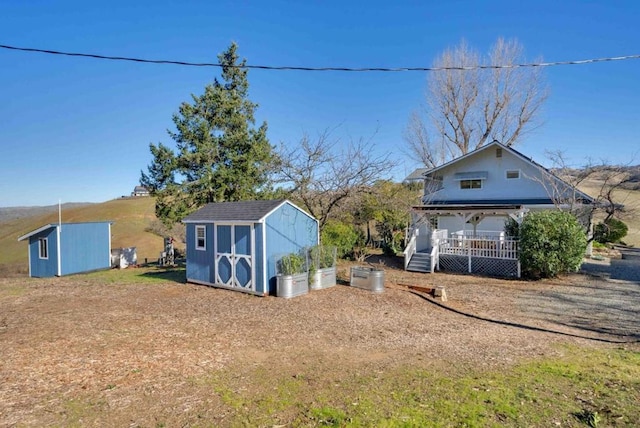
463	246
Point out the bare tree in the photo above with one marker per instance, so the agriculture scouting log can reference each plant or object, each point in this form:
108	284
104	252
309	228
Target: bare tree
604	182
323	173
468	106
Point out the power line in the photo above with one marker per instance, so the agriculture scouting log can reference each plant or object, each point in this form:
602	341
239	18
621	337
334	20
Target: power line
346	69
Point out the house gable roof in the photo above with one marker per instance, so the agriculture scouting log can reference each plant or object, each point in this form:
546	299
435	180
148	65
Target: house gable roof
235	211
496	144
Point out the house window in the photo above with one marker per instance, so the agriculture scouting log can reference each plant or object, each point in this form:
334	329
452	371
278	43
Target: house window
499	152
513	174
471	184
43	248
201	238
433	222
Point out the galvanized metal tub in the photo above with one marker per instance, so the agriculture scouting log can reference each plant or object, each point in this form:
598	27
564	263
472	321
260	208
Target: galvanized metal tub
367	278
323	278
288	286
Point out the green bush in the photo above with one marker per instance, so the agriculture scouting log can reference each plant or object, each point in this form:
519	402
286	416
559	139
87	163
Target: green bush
612	230
345	237
512	228
551	243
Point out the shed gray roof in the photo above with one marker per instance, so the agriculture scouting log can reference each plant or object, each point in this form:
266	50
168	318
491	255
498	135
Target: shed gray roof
233	211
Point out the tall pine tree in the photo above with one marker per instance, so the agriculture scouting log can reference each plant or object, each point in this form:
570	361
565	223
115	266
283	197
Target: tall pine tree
220	156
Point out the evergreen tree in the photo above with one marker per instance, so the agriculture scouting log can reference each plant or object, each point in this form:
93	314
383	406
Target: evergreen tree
220	156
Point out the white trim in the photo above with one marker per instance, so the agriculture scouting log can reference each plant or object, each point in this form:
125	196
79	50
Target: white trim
59	232
43	228
204	247
29	253
233	257
265	283
109	249
46	247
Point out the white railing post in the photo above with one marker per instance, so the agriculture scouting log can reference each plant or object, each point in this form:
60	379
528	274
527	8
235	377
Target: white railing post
410	249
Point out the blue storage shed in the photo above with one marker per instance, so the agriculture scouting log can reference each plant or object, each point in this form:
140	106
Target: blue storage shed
236	245
59	249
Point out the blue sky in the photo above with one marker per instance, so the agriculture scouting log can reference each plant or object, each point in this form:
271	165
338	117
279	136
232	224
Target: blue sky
78	130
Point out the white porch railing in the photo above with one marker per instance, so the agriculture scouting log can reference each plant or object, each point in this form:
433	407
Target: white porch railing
435	256
410	249
506	249
437	235
479	234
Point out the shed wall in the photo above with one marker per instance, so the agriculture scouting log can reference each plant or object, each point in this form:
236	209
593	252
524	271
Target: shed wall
200	263
44	268
85	247
288	230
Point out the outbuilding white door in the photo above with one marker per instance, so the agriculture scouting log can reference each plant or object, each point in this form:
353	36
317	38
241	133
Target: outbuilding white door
234	251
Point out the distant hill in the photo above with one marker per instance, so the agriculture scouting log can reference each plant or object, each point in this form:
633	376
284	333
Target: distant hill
15	213
132	218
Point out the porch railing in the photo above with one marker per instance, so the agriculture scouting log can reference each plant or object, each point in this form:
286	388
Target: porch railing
479	234
410	249
506	249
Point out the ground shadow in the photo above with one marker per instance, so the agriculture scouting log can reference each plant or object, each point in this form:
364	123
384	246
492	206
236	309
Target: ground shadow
168	273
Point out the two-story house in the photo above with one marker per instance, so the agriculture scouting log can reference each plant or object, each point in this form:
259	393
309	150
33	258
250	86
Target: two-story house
470	198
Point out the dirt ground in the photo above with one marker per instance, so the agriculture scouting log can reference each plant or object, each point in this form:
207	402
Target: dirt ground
133	352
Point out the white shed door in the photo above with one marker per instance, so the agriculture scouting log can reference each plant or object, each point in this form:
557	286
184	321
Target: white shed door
234	251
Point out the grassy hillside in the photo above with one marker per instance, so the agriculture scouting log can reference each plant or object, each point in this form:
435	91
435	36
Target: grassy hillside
631	215
131	217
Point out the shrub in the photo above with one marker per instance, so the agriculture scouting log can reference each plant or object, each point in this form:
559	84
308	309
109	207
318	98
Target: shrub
512	228
612	230
551	243
345	237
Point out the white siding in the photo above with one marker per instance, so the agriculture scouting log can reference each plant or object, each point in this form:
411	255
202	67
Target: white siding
496	186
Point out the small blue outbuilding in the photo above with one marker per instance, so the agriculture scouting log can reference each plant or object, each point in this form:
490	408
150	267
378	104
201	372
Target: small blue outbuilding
59	249
236	245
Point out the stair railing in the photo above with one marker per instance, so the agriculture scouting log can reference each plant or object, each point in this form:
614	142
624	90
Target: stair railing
410	249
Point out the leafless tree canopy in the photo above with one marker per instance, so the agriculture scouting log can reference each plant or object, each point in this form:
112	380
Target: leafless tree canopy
323	173
465	109
606	184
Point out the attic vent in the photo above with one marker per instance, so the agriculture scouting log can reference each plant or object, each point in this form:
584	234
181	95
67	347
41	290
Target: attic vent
499	152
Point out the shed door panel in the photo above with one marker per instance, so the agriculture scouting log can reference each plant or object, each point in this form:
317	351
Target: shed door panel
234	267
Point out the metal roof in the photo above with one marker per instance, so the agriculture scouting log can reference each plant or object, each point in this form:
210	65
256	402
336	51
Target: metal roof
234	211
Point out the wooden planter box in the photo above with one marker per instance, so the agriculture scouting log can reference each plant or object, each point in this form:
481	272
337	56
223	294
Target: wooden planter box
292	285
323	278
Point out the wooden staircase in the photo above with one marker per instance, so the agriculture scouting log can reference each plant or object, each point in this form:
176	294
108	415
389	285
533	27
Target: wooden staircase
420	261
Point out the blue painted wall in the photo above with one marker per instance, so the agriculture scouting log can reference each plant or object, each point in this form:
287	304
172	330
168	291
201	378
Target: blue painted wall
44	268
288	230
200	263
85	247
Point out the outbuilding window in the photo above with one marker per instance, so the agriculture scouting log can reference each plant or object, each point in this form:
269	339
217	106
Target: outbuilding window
201	238
471	184
43	248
